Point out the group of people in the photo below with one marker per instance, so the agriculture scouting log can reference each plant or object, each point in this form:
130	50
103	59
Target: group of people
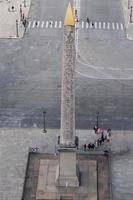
88	21
89	146
99	141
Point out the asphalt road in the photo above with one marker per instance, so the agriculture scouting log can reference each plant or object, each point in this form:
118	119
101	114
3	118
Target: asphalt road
30	68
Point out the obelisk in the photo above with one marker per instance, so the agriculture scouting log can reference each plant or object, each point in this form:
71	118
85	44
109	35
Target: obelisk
67	171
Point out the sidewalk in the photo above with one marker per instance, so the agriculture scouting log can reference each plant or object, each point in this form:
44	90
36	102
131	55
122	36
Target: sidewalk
10	11
128	17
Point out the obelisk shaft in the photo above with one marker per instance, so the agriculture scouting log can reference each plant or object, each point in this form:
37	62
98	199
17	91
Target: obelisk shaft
68	89
67	168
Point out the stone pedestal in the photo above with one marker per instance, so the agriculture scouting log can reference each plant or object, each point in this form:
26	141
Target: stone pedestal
67	171
47	188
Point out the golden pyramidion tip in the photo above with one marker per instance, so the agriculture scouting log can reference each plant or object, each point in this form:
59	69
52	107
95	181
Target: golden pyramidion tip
69	19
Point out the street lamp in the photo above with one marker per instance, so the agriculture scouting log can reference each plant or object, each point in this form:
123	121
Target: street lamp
128	4
131	11
17	28
97	122
44	122
25	3
21	12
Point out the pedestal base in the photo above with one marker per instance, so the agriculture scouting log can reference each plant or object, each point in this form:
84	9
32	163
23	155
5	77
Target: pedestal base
67	181
47	189
67	170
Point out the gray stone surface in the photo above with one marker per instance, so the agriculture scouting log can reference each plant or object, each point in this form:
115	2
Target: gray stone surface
46	188
68	87
14	148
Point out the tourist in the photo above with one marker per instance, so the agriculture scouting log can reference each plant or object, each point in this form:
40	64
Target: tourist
84	146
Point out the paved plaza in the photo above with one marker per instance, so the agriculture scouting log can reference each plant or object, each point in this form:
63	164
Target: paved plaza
14	148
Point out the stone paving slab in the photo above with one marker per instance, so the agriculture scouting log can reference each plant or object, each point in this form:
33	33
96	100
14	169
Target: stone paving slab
10	11
82	191
46	188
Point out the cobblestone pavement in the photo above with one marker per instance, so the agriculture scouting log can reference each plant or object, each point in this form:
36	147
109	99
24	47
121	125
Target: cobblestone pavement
14	147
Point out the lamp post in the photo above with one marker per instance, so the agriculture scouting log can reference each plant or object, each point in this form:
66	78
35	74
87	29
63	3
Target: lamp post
131	12
44	122
97	122
17	28
128	4
21	12
25	3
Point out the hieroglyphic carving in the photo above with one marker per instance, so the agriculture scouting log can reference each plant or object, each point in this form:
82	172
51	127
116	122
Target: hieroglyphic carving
68	90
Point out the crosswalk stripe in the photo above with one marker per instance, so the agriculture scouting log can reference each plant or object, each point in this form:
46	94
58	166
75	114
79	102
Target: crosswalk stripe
33	25
82	25
29	24
117	26
100	25
38	23
87	25
50	24
55	25
42	25
104	25
46	26
108	25
77	25
95	25
122	26
92	25
60	24
113	25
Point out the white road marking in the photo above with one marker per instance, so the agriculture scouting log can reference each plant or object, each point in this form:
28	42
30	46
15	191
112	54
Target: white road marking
38	23
50	24
87	25
122	27
108	25
29	24
102	78
82	24
95	25
100	25
91	24
104	25
117	26
77	25
113	25
33	25
60	24
46	25
55	25
42	25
